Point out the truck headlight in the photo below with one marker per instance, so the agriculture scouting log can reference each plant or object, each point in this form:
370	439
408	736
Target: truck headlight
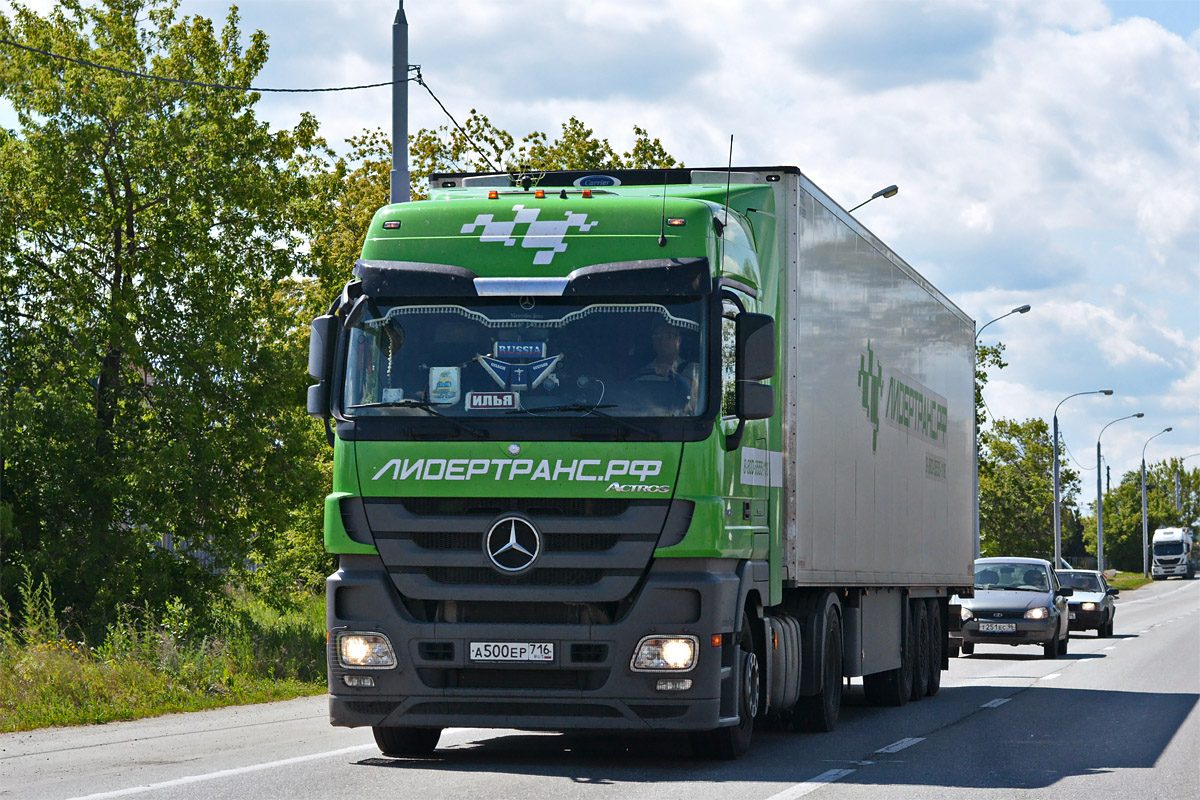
665	654
357	649
1037	613
1088	606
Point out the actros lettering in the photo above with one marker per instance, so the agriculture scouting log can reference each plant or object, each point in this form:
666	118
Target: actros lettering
508	469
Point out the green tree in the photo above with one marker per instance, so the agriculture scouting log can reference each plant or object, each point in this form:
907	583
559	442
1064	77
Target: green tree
485	148
1123	511
987	357
153	369
1016	495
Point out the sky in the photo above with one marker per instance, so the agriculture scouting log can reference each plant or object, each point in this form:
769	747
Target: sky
1047	151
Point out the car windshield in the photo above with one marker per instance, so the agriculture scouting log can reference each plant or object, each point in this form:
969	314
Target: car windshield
1012	576
1083	581
550	357
1168	548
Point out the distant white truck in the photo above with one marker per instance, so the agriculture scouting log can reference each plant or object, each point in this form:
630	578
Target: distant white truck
1175	553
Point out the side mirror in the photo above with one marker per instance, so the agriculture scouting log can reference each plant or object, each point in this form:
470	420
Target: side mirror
754	400
1113	592
320	364
755	347
1065	591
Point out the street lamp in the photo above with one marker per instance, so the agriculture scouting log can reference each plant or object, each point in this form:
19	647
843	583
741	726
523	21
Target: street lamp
975	423
889	191
1100	495
1145	537
1057	509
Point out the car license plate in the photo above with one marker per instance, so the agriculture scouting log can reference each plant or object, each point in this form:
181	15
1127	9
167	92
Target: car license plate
512	651
1072	615
997	627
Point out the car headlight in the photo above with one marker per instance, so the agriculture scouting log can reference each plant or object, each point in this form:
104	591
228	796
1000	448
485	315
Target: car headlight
1037	613
1088	606
665	654
365	650
965	613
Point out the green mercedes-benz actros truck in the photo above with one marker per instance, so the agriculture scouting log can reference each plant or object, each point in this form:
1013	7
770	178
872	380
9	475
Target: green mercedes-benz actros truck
638	450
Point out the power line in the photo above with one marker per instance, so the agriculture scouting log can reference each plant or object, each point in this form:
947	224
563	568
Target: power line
413	68
152	77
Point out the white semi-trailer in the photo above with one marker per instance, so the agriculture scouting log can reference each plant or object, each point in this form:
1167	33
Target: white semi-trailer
1175	553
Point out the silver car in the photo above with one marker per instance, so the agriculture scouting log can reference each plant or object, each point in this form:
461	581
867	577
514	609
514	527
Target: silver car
1091	606
1017	601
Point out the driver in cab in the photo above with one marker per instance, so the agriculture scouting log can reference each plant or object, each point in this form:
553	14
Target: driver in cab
668	365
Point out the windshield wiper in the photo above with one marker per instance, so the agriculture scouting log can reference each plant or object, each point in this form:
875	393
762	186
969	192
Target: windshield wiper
424	405
591	410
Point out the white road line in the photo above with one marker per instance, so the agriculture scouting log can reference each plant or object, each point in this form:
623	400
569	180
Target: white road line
811	785
1111	647
999	701
225	773
1051	676
896	747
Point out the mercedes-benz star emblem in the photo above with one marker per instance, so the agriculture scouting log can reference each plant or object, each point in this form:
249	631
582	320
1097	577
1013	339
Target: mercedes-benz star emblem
512	545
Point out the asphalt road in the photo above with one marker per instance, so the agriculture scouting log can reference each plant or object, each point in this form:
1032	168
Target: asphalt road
1116	717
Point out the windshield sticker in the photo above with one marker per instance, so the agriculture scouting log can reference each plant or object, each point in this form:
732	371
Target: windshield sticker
443	385
545	236
393	395
489	401
519	376
500	469
519	350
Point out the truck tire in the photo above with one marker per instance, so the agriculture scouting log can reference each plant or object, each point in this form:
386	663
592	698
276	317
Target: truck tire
820	712
919	625
937	641
406	742
733	741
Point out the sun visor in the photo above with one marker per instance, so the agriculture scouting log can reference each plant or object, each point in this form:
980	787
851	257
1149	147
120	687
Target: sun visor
671	277
414	279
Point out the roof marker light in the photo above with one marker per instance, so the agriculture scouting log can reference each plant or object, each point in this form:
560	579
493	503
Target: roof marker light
539	194
586	193
493	195
391	225
677	223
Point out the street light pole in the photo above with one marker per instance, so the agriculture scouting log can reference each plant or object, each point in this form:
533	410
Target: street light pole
1057	501
1145	533
888	191
975	427
1100	495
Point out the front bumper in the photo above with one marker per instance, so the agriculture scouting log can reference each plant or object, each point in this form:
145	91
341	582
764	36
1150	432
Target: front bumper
589	685
1173	569
1086	620
1028	631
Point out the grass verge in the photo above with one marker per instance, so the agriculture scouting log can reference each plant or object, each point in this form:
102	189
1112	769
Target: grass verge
1128	580
254	655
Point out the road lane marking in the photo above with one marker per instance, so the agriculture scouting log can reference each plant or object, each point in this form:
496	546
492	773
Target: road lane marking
811	785
999	701
1051	676
225	773
896	747
1111	647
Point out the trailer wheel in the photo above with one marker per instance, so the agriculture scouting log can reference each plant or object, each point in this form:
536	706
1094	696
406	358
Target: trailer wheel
401	742
820	712
919	625
732	741
936	643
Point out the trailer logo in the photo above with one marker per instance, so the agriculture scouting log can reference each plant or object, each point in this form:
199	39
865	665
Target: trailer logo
910	407
870	378
544	236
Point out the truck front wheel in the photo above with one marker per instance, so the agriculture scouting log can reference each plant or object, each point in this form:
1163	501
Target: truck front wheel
402	742
733	741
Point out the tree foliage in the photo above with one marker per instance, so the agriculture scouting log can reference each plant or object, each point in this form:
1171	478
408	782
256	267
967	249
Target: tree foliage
1016	494
987	357
1123	511
153	372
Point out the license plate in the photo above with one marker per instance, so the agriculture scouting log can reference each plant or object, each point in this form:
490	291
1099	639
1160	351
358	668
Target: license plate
512	651
997	627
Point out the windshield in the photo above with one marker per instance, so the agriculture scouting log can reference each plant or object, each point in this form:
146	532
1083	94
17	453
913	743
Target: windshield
1019	577
1082	581
551	357
1168	548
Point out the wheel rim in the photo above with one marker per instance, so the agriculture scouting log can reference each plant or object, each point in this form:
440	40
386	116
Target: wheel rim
750	685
